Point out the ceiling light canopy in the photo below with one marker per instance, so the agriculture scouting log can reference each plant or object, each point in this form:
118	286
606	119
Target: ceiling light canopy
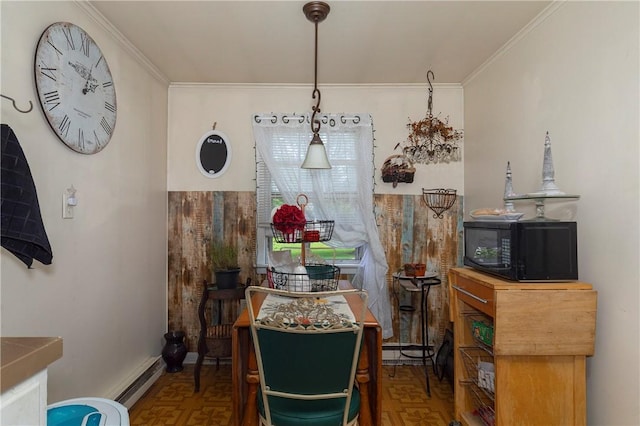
316	158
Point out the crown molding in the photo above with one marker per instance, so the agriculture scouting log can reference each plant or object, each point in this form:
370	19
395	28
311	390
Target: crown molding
539	19
99	18
400	86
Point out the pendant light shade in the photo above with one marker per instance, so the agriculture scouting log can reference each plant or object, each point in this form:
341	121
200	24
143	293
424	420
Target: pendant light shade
316	158
316	155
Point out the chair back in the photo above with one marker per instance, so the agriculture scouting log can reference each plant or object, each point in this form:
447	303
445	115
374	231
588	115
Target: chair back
307	345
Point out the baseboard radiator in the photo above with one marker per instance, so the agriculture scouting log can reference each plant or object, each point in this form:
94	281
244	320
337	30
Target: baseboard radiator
141	384
391	355
411	354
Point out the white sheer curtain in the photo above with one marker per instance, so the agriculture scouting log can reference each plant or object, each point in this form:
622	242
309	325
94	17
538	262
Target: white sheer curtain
343	194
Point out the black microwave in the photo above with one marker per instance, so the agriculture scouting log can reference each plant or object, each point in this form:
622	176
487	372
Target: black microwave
523	251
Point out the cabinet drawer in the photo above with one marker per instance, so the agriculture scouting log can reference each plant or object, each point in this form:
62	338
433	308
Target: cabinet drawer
474	294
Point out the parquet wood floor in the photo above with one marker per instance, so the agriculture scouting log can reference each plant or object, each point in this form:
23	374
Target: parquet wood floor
172	401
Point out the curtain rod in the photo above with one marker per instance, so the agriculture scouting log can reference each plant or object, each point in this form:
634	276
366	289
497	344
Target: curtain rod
286	118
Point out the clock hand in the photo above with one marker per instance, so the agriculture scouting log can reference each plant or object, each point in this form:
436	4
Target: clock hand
86	73
80	69
87	87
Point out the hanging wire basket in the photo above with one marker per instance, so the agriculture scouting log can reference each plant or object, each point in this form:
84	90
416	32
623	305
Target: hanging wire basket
439	200
311	231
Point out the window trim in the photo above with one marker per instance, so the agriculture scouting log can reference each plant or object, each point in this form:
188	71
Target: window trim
265	185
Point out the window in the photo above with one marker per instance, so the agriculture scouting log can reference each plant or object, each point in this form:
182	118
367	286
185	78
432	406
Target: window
331	193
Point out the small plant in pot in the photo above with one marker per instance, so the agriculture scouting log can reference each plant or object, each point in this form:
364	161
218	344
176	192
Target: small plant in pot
224	262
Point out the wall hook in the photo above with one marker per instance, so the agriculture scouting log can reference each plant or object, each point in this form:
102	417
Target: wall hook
16	106
214	125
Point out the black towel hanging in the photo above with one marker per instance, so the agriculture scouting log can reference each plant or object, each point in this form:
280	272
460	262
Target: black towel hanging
22	232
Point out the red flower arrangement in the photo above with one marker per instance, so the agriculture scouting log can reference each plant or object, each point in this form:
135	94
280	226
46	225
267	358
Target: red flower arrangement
288	219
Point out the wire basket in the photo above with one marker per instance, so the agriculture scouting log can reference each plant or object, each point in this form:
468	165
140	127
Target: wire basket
481	329
473	357
318	278
311	231
484	407
476	383
439	200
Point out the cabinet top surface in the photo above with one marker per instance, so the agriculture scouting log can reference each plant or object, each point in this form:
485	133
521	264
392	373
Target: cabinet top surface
23	357
501	284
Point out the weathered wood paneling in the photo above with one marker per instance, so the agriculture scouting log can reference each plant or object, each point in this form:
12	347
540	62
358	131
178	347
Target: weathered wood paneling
189	234
408	231
246	234
196	219
410	234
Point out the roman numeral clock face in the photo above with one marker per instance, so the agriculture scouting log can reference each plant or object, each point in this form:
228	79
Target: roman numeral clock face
75	88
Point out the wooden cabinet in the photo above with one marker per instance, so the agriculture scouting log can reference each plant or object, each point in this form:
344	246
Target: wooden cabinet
23	368
217	311
538	335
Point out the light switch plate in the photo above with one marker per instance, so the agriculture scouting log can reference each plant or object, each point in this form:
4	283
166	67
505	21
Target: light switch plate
67	210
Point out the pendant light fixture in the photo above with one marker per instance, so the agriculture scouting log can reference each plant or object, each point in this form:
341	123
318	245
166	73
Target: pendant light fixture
316	158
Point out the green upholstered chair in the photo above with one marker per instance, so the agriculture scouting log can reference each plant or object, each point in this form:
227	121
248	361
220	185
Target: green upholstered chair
307	348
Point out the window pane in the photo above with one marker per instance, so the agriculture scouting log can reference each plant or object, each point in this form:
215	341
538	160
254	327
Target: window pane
320	249
287	147
330	254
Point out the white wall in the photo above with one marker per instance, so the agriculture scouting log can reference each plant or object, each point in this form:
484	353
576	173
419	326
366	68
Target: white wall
576	76
105	292
194	108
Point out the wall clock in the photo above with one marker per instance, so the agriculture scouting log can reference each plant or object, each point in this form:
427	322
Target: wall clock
213	154
75	88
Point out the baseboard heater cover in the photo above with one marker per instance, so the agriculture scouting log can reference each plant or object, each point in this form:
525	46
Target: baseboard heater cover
140	385
391	354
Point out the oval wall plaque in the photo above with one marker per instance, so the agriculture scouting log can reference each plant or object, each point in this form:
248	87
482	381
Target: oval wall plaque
213	154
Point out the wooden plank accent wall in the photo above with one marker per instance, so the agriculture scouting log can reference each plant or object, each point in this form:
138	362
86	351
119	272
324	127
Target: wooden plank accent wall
408	231
195	219
411	234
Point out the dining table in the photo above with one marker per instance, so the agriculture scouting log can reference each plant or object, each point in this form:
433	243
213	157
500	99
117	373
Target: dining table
246	379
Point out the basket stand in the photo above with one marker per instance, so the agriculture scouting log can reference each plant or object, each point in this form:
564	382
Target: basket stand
303	244
310	231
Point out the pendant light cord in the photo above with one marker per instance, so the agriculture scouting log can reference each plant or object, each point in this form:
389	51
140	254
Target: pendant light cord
315	124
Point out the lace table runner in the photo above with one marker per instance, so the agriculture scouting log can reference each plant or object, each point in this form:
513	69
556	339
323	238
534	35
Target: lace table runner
332	311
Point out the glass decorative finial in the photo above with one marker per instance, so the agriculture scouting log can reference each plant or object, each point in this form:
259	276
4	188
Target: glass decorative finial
508	190
549	186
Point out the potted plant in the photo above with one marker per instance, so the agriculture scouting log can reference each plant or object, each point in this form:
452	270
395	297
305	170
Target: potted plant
224	263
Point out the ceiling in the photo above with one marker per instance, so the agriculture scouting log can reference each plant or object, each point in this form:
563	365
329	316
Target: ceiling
360	42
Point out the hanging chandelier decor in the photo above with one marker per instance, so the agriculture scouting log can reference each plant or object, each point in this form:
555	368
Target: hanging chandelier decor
316	158
432	140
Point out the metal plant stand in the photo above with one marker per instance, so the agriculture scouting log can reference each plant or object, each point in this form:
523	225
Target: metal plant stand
423	285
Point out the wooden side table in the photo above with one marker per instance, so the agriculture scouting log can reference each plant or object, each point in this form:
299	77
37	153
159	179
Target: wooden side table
215	336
